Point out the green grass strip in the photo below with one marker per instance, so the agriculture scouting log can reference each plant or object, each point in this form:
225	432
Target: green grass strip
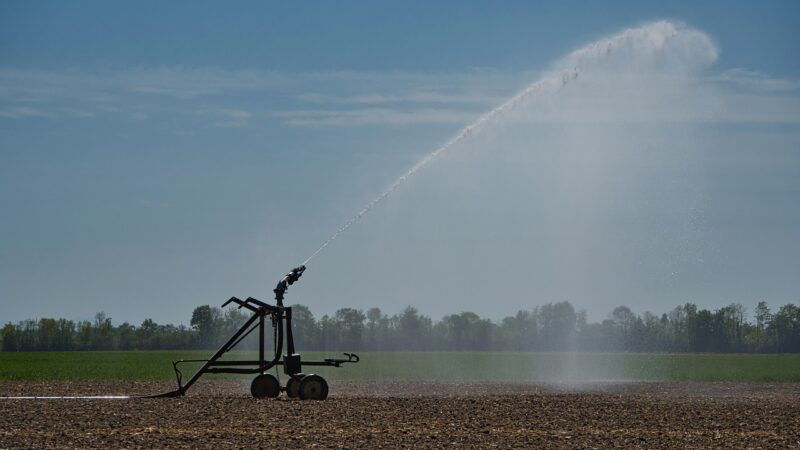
500	366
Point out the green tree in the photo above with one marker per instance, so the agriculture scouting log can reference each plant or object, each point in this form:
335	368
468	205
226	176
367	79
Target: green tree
764	340
465	331
701	331
102	337
519	332
628	329
66	334
47	335
205	320
10	338
329	333
557	322
786	324
304	328
228	323
414	329
126	337
83	335
145	334
351	327
376	331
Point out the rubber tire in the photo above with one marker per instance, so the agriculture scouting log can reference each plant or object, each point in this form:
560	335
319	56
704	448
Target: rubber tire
313	387
293	385
265	386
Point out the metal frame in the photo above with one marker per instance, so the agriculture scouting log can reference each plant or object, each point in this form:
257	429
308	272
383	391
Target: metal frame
281	317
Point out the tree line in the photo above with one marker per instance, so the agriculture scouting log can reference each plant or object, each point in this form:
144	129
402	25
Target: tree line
550	327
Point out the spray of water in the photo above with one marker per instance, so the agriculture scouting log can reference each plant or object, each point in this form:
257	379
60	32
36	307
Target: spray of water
647	39
549	83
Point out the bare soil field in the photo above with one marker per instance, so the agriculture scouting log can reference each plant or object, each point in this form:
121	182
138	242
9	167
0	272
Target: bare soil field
396	414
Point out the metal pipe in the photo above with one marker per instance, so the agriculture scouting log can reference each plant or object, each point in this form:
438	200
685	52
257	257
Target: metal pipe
289	336
261	362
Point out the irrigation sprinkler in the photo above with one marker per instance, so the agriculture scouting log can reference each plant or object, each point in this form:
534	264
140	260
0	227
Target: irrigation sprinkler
265	385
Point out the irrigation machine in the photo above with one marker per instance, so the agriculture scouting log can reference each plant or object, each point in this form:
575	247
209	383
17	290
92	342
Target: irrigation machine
265	385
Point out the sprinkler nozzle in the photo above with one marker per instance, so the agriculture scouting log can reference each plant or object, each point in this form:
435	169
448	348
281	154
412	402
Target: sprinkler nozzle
287	281
295	274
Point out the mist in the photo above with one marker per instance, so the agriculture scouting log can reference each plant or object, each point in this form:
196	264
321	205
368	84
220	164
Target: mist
591	186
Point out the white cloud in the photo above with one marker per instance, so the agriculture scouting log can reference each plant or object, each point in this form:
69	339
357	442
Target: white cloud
352	98
106	86
75	113
188	83
650	98
374	116
21	112
464	97
228	118
27	112
757	81
427	96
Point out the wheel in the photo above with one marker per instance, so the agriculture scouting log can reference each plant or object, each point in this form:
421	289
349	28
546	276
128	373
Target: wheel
293	385
265	385
313	387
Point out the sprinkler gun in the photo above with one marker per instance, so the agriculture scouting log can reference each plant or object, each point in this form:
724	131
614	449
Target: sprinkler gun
287	281
303	385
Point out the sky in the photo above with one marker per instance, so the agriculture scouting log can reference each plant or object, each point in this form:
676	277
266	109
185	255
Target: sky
157	156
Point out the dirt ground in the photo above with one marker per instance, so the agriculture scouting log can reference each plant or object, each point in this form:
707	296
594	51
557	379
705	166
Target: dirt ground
396	414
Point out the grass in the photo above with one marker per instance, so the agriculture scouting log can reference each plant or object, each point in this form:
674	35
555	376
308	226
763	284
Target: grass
502	366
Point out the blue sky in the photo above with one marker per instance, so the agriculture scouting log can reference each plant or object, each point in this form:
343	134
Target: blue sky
155	156
369	36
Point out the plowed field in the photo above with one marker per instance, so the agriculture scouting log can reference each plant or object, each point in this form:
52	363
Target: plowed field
395	414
